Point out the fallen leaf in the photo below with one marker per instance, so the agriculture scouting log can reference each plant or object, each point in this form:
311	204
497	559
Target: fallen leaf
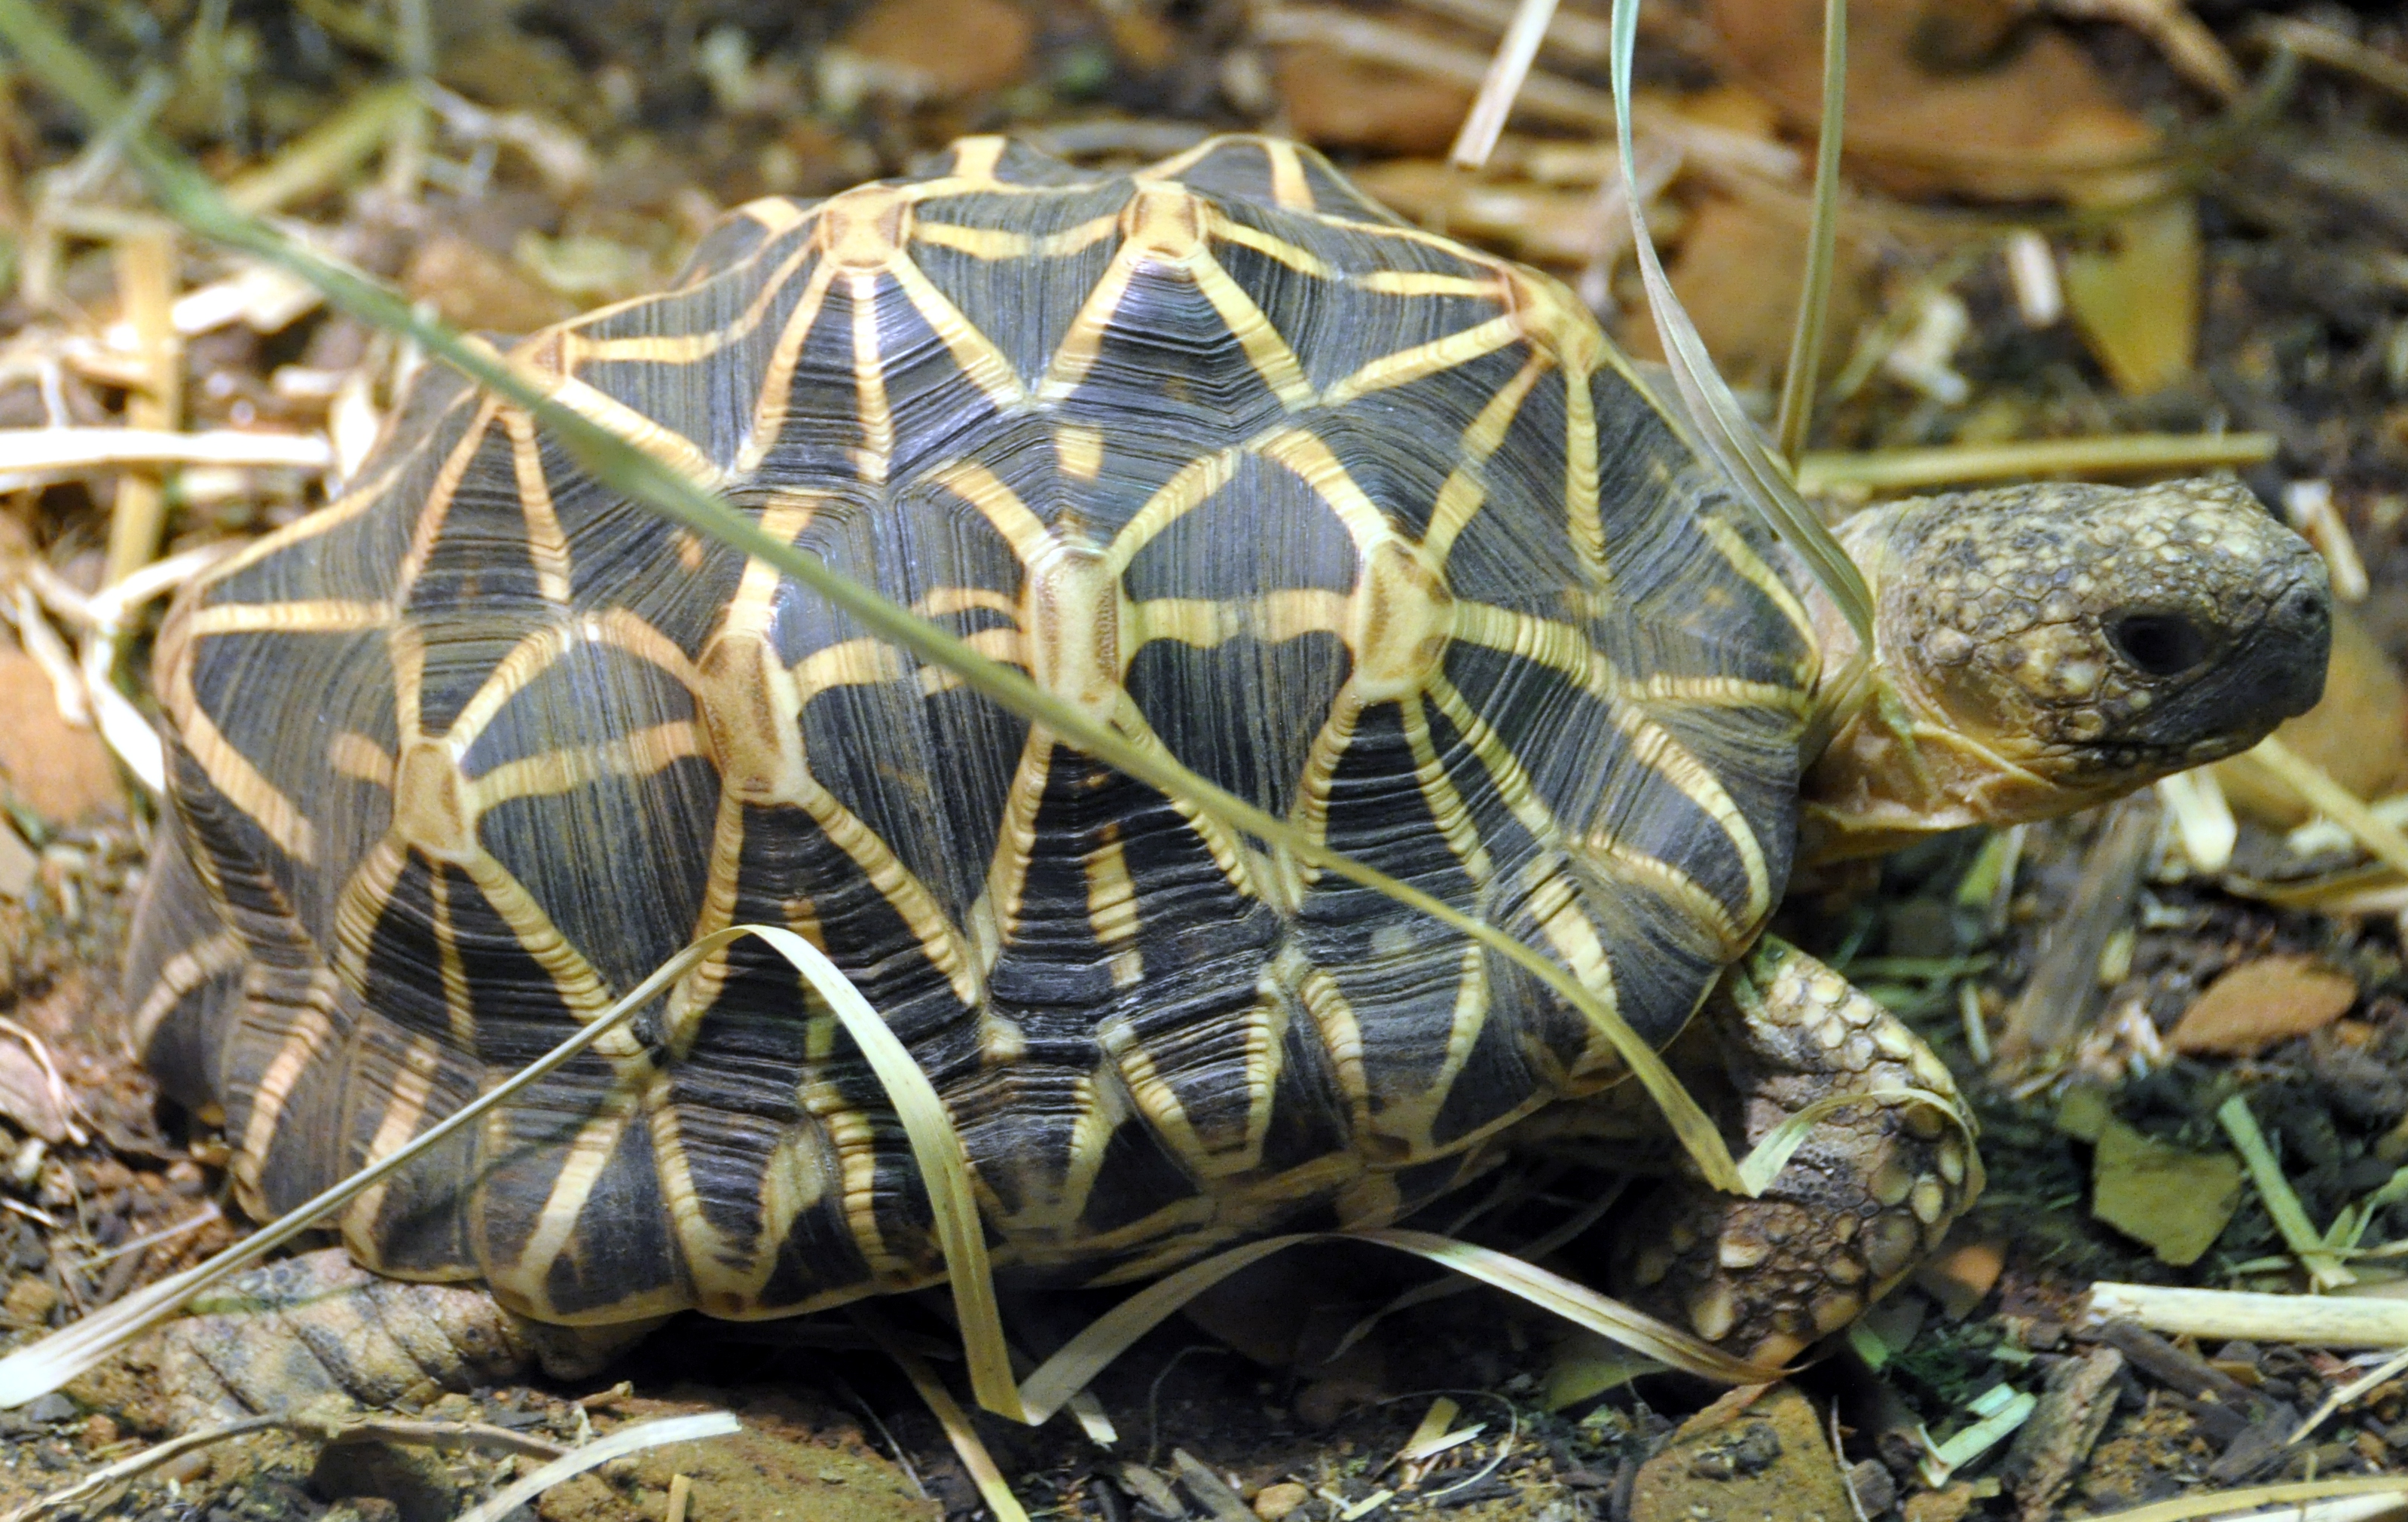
2135	299
26	1096
959	47
1336	101
2177	1202
1963	1273
2257	1004
1943	94
57	769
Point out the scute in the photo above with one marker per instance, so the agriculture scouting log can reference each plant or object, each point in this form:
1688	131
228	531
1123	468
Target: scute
1365	527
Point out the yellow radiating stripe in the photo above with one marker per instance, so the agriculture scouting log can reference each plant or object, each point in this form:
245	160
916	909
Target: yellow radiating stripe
982	363
1179	163
1686	892
1113	911
1427	359
876	451
1454	821
308	616
1079	449
1415	282
1310	811
407	649
1580	446
1461	500
1083	340
783	518
655	439
188	969
437	506
1554	902
310	1030
700	988
231	773
362	902
854	1141
640	753
357	498
851	662
1273	617
1342	1033
1550	643
683	348
975	484
1302	261
1654	746
975	158
1289	187
1189	487
573	978
1266	348
1504	769
583	1158
1303	452
903	891
1721	692
546	546
998	244
459	1008
777	395
534	655
1016	840
1005	645
1228	852
1744	559
405	1108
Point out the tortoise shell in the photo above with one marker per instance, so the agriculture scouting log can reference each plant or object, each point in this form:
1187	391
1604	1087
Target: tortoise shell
1370	528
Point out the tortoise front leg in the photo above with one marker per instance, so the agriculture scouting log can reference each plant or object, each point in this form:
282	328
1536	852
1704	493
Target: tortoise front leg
1871	1190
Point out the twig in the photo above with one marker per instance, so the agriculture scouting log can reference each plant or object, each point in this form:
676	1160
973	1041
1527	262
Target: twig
1911	470
63	450
2252	1316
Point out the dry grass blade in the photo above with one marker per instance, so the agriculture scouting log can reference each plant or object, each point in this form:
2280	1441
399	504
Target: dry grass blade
1507	71
2292	1497
1110	1334
1728	435
943	1167
2365	1383
192	199
1955	465
959	1429
619	1444
1822	243
59	451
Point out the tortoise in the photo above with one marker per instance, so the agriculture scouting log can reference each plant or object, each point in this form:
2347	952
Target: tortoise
1372	528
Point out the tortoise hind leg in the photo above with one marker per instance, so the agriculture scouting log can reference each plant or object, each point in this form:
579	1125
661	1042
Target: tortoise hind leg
289	1334
1870	1191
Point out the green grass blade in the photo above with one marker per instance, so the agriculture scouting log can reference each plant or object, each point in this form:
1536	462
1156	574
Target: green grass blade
1822	242
188	194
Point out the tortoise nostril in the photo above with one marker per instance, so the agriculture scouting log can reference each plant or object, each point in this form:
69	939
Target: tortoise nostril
2160	644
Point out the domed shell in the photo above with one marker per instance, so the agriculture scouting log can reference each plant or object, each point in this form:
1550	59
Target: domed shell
1369	528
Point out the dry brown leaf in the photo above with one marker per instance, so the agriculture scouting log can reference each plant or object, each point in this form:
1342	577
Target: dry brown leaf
959	47
2259	1003
1336	101
1741	266
1963	1273
26	1094
59	771
1943	95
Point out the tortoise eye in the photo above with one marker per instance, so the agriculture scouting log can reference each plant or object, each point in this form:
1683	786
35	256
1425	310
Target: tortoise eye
2160	644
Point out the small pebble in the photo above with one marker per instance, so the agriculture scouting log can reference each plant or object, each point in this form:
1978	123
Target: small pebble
1277	1500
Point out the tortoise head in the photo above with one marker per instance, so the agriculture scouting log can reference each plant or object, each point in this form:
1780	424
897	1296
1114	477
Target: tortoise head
2048	647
